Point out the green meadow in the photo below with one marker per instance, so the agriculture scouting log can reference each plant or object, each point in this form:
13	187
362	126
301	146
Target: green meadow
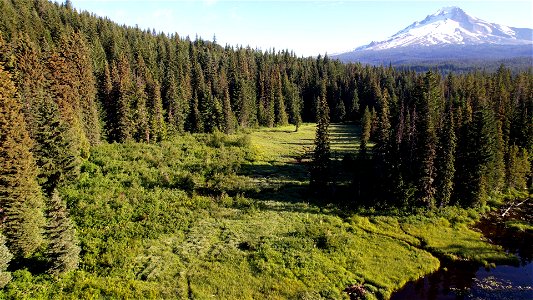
211	216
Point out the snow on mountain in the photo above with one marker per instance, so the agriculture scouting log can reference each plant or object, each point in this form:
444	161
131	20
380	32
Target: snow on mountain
452	26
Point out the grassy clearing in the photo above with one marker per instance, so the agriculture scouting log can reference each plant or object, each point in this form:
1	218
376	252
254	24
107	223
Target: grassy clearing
211	216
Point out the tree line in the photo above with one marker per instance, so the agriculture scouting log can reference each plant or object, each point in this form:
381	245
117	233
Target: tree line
70	80
439	141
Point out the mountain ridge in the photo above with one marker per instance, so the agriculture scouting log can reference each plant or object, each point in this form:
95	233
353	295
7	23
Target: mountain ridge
449	33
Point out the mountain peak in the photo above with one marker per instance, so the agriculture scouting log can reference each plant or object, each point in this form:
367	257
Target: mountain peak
450	10
452	26
452	13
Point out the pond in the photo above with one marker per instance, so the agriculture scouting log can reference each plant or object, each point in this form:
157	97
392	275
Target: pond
465	280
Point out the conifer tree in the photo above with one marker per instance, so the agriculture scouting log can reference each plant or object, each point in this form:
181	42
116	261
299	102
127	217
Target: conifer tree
518	168
365	135
5	258
354	108
29	77
381	150
139	102
245	102
20	195
279	101
445	161
81	62
321	155
229	116
497	178
121	97
340	110
426	139
54	150
158	128
107	101
479	155
69	92
175	103
63	250
195	123
291	94
383	131
140	111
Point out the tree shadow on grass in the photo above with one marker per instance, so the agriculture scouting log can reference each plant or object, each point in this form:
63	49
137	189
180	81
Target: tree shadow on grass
277	172
285	187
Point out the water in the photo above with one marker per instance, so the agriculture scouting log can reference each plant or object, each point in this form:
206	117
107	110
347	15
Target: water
465	280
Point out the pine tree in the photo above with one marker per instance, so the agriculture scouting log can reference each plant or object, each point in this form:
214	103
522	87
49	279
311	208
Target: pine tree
479	154
63	250
354	108
158	128
140	111
365	134
363	173
518	168
249	116
54	150
195	123
321	155
175	102
121	95
426	139
340	110
383	131
20	195
291	94
107	101
279	101
229	116
445	161
29	78
80	60
5	258
72	87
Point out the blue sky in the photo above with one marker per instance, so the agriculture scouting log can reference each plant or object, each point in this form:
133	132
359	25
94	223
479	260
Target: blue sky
307	27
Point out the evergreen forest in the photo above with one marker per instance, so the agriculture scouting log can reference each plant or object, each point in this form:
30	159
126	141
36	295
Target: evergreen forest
132	161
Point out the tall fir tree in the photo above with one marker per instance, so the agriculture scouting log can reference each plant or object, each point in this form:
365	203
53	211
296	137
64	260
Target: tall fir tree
479	153
381	150
63	250
140	115
20	195
365	133
158	128
81	62
518	168
29	77
428	94
54	150
279	101
291	94
322	153
229	117
355	106
445	160
121	124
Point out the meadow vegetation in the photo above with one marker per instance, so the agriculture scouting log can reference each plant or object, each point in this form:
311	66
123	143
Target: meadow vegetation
229	217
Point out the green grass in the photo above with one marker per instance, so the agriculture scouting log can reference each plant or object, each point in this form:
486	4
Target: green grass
520	225
218	217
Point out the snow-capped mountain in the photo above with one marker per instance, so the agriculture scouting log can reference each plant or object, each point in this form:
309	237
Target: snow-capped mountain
451	25
448	34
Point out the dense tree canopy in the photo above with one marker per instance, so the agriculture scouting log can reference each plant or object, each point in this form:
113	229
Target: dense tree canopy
71	80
